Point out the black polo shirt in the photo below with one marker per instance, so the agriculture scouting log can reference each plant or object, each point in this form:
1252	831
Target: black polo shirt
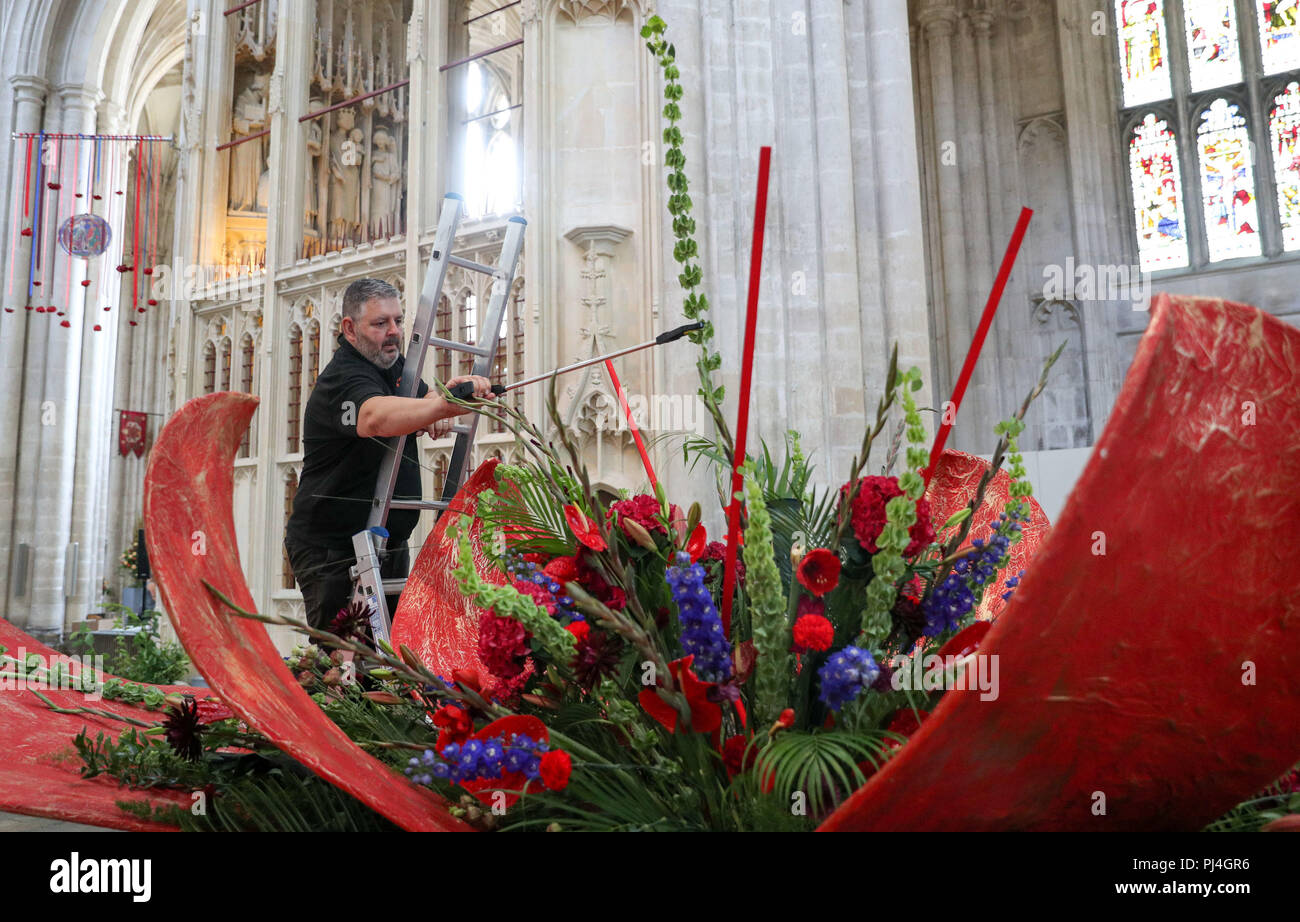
339	468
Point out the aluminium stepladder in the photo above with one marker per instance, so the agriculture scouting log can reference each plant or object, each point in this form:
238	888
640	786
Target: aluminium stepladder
369	586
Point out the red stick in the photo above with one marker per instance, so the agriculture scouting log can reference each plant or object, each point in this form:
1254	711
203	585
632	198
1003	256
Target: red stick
27	177
631	424
986	321
72	210
135	229
746	375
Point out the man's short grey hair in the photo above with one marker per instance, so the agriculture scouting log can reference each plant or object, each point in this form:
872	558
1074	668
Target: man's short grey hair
363	290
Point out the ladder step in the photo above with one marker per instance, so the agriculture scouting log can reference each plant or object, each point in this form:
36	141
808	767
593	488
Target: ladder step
473	266
458	347
394	586
462	430
425	504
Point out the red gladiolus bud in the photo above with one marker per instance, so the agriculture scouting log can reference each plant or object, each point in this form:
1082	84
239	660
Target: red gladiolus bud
787	718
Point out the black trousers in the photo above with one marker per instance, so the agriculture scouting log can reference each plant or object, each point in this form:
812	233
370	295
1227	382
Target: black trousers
322	575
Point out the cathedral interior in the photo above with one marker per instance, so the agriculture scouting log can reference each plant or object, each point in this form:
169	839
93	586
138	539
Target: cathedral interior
248	160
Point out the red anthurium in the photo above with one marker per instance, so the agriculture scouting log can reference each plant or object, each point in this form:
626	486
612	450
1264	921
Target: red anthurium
819	571
966	641
706	715
699	540
584	529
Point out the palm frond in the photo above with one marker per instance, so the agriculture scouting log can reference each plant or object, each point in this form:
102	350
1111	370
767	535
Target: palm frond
822	766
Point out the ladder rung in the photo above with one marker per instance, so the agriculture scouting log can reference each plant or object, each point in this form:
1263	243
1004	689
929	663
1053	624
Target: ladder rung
418	504
473	266
394	586
458	347
462	430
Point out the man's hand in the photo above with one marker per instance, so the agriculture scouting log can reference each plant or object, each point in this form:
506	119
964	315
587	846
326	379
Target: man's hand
482	386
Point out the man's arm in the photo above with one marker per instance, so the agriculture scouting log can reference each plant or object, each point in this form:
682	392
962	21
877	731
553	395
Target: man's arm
384	416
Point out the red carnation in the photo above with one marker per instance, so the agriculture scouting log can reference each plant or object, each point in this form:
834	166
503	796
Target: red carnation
502	645
714	559
819	571
813	632
539	595
644	510
556	767
579	629
869	514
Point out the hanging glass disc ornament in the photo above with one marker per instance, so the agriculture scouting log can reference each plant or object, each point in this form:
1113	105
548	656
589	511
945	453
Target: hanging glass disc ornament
85	235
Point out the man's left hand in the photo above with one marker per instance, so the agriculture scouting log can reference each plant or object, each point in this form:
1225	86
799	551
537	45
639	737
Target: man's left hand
482	386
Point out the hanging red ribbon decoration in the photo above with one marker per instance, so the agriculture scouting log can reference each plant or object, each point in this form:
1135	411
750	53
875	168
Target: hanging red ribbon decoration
135	230
631	424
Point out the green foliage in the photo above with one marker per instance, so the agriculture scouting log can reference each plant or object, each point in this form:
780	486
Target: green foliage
822	766
685	248
767	611
142	657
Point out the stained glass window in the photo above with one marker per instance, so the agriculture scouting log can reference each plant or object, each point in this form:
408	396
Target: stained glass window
1279	34
1142	42
1227	183
1212	54
1283	129
1157	196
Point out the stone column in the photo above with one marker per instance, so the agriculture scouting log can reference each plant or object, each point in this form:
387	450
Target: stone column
29	97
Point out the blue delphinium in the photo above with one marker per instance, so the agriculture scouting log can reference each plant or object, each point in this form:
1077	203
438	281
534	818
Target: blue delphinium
844	675
474	760
702	634
963	587
527	571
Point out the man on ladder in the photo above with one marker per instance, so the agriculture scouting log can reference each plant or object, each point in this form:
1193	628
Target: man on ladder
353	411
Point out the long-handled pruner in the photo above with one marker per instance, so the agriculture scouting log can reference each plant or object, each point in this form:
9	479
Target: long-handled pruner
465	390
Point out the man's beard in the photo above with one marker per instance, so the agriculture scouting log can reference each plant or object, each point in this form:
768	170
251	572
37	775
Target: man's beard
376	354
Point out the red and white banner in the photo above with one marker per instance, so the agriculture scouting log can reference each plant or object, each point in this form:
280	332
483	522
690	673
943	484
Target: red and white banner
132	431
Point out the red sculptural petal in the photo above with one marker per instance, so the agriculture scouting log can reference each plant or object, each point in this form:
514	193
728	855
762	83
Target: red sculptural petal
189	487
1122	672
34	783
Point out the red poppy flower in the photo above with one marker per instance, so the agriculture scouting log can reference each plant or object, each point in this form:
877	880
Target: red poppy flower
706	715
555	768
584	529
819	571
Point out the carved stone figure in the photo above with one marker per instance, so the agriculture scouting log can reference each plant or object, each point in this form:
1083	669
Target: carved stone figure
346	154
386	177
311	194
248	160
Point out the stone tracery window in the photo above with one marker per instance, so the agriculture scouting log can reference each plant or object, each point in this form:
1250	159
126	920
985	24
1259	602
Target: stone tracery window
1210	127
209	367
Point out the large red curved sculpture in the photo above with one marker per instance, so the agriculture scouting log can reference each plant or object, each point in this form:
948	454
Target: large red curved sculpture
433	618
1150	661
40	774
188	493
